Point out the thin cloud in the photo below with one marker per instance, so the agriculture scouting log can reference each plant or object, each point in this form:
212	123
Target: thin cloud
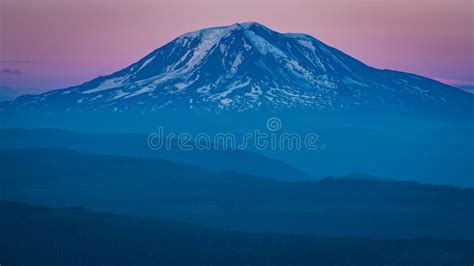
9	71
17	62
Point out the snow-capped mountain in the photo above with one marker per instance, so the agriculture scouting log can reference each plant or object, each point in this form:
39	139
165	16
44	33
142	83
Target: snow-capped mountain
248	66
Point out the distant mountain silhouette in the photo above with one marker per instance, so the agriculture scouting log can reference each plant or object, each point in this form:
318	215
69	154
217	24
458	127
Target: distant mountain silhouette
136	145
8	93
377	146
159	188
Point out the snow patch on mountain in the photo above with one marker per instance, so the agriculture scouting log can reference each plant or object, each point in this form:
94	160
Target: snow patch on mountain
107	85
237	61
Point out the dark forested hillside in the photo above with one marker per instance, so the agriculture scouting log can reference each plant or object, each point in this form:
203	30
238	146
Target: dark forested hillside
74	236
159	188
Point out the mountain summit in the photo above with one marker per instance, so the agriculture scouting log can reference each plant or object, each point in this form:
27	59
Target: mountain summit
247	66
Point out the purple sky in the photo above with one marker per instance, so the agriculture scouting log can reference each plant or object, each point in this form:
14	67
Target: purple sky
47	44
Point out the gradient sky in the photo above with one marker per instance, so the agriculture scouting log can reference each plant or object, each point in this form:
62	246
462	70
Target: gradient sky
47	44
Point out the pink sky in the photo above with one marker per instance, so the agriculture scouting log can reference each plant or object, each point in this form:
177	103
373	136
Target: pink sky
46	44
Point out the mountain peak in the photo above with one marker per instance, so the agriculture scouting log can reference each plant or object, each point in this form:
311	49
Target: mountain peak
221	31
250	24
